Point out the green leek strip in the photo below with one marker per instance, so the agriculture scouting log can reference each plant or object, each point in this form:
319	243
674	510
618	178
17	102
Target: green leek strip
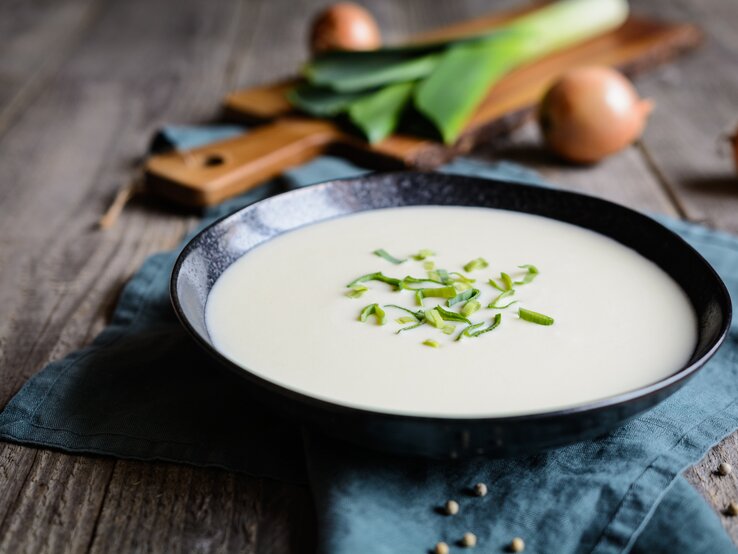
448	329
461	286
495	324
382	253
479	263
469	294
463	278
378	114
469	329
440	276
439	292
410	327
470	307
429	265
419	296
434	318
377	276
423	254
356	291
494	305
506	281
416	280
321	101
431	343
406	319
494	284
450	95
535	317
375	310
344	73
451	316
529	276
419	315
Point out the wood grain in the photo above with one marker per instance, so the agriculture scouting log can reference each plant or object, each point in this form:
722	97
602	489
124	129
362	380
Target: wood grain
685	140
72	146
35	36
74	136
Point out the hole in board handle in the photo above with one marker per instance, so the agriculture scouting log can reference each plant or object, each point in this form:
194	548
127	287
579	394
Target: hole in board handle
213	160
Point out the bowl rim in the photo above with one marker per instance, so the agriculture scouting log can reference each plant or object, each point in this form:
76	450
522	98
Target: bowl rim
609	402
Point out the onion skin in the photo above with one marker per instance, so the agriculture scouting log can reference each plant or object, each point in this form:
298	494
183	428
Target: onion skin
344	26
590	113
734	143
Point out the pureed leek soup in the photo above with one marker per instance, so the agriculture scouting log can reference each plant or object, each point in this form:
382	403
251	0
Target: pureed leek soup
598	319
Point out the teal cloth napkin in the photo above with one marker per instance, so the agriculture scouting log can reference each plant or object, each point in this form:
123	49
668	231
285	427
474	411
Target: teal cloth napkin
144	390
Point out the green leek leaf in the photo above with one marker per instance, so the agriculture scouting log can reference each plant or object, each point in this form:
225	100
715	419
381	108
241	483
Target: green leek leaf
439	292
356	291
321	101
469	329
479	263
471	307
529	276
375	310
351	73
535	317
450	95
419	315
469	294
377	276
378	114
495	303
423	254
382	253
447	315
494	325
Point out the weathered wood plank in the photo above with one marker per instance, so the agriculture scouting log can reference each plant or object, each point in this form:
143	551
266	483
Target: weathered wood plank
140	64
35	36
66	493
624	178
719	490
164	507
696	107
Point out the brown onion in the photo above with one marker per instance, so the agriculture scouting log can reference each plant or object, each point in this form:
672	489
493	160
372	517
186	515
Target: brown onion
590	113
344	26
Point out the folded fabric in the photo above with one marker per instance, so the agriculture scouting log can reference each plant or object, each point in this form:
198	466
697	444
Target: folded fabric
144	390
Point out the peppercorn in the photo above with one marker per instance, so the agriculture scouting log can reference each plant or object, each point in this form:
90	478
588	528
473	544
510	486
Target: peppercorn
732	509
480	489
452	507
441	548
724	468
517	545
469	540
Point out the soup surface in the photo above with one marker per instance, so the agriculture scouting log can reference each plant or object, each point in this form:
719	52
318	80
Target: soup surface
620	322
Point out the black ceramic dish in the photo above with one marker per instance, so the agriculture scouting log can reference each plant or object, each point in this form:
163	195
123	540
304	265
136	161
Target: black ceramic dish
214	249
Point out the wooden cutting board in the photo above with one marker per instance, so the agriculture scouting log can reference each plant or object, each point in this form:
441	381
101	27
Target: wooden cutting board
284	138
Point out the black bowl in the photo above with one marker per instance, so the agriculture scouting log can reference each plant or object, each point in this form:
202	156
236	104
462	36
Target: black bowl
206	257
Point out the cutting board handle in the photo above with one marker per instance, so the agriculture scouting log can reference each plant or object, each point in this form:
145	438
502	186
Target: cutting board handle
212	173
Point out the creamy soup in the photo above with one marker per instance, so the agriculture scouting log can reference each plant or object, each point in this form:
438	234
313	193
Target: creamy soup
620	322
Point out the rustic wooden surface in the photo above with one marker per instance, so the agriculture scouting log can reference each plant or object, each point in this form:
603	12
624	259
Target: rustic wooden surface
83	83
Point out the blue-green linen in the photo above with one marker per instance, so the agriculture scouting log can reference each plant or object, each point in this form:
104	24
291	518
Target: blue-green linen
144	390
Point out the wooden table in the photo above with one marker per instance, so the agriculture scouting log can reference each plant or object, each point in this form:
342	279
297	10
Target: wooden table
84	83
